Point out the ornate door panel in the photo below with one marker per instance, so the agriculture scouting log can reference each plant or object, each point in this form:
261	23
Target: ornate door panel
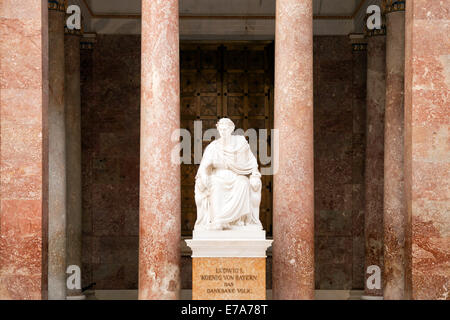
231	80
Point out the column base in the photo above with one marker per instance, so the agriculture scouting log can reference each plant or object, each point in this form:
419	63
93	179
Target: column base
80	297
363	297
229	265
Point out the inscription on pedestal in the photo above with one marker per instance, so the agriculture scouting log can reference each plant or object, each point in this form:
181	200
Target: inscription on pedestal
228	278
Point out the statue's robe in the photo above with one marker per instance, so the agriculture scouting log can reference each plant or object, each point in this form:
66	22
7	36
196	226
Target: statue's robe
228	198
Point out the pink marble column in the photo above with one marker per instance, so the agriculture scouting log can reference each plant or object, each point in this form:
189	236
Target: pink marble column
374	164
23	149
427	148
293	196
394	196
160	195
73	155
57	154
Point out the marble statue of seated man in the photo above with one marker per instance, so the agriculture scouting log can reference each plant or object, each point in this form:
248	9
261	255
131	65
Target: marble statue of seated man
228	183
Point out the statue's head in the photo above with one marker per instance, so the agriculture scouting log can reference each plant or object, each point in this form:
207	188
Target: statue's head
225	127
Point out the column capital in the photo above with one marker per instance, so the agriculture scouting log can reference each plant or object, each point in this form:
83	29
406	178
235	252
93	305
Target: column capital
358	41
74	32
57	5
375	32
393	6
87	41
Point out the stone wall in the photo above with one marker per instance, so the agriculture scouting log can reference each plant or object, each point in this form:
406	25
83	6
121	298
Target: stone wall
339	146
110	134
110	161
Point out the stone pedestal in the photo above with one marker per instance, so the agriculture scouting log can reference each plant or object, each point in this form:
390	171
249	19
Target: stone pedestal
229	265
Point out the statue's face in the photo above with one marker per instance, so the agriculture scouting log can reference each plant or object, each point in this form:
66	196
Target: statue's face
225	130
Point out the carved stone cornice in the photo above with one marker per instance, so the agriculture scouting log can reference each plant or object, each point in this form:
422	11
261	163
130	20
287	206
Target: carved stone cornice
376	32
393	6
57	5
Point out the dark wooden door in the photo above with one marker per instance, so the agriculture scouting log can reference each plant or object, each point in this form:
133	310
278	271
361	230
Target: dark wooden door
233	80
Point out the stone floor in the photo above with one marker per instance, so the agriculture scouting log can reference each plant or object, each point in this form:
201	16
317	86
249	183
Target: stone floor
187	294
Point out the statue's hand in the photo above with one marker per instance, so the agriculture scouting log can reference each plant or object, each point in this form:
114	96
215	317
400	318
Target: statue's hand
255	182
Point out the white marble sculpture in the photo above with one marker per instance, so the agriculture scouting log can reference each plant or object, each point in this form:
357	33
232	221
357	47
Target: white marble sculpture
228	184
